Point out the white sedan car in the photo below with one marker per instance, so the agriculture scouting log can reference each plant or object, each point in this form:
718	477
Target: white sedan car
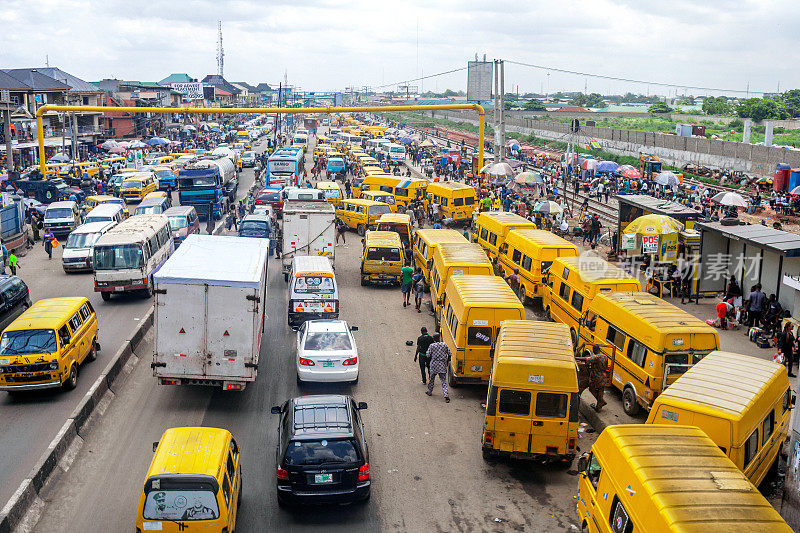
326	352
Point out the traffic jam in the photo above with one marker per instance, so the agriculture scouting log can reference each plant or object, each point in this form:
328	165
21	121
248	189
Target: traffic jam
520	317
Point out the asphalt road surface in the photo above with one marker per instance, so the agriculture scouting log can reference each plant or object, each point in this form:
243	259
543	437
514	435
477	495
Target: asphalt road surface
29	422
425	458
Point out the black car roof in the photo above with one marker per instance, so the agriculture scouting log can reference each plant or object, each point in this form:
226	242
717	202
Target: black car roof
326	415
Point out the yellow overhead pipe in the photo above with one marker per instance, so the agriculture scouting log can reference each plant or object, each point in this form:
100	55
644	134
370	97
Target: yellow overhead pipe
255	110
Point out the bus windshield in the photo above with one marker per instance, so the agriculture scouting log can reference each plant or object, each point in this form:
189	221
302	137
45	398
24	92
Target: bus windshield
28	341
379	210
81	240
118	257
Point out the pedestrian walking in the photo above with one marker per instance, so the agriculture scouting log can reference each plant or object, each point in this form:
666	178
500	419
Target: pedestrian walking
47	242
597	362
407	273
341	227
421	355
787	342
210	222
513	280
12	264
439	360
418	285
35	225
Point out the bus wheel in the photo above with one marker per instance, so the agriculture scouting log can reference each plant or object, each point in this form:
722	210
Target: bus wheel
72	380
451	379
574	336
361	230
629	403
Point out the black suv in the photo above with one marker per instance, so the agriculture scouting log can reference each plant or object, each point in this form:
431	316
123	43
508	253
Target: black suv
14	299
322	453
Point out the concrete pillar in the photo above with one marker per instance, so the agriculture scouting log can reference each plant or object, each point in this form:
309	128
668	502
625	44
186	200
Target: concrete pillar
768	133
748	123
790	503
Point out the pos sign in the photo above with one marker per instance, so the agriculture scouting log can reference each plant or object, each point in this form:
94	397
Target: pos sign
649	244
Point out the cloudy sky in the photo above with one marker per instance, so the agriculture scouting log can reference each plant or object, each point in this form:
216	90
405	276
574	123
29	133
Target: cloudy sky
330	45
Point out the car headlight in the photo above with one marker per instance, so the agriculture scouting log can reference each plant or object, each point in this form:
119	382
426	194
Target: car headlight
5	361
54	365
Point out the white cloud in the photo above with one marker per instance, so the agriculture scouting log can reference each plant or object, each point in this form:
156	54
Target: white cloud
326	44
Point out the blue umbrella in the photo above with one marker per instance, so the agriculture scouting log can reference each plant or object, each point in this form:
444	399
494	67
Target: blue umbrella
157	140
58	158
606	166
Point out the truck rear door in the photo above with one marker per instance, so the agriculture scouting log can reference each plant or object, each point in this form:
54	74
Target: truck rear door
229	331
180	330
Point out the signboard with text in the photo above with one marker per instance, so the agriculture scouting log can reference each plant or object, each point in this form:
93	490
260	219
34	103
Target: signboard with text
649	244
189	90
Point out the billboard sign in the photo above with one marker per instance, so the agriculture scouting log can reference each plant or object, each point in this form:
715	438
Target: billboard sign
479	81
649	244
189	90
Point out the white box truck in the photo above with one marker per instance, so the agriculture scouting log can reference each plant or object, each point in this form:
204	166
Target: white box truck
309	228
210	298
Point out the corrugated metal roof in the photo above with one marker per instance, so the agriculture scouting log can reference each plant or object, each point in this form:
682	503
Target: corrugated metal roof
782	242
36	80
661	207
75	83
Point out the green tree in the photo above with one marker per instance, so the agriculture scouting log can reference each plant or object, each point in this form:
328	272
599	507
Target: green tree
791	101
686	100
558	96
534	105
760	109
659	107
511	97
578	99
716	105
449	92
595	100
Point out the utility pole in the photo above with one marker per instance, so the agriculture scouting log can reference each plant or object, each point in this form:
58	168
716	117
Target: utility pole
502	110
496	110
6	101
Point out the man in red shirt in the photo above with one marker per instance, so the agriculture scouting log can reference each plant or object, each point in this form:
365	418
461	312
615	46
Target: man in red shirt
723	310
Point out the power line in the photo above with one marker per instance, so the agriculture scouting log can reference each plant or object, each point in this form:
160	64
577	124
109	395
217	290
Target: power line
418	79
615	78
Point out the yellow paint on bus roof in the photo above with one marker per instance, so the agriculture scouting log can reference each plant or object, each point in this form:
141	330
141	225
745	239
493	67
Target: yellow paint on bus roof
400	218
455	253
483	291
543	238
656	312
190	450
682	480
593	269
47	313
383	238
725	383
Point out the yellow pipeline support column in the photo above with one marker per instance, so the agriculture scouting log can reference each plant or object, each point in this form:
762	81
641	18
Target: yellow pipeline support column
254	111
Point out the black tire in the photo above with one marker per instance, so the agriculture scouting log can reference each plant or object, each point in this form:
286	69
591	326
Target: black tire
452	381
629	402
72	379
487	455
361	229
106	296
286	277
574	336
364	281
300	382
283	504
92	355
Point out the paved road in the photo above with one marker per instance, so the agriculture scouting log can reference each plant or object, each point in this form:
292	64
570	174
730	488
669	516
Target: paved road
427	468
29	422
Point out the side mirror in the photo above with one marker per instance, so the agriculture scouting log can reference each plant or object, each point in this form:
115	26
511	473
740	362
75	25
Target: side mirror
275	409
155	445
353	328
583	463
362	406
794	398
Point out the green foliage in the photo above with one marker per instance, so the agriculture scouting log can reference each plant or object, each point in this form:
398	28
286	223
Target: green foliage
791	101
716	105
534	105
686	100
659	107
736	125
759	109
591	100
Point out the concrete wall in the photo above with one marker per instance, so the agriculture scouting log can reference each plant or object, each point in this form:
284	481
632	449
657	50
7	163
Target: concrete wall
672	149
792	124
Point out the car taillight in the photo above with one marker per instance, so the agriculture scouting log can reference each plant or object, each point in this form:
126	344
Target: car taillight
306	362
571	444
460	368
487	437
351	361
363	472
283	475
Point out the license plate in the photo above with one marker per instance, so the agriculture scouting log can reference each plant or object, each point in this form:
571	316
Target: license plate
328	363
323	478
119	289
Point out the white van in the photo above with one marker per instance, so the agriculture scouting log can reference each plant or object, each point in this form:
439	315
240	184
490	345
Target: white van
313	293
107	212
302	193
300	140
127	255
77	252
62	217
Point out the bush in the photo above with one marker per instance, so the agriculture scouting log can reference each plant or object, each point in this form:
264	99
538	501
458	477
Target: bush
736	125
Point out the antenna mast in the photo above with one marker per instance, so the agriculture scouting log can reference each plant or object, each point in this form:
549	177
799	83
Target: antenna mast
220	51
